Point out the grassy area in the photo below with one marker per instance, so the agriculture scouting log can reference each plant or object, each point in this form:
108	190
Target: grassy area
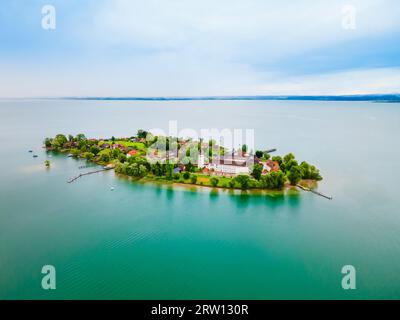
205	180
129	144
105	151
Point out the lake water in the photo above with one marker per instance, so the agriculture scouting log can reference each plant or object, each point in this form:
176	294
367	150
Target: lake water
146	241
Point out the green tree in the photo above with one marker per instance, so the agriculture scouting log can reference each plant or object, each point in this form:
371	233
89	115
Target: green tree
244	148
310	172
189	167
186	175
83	144
257	171
273	180
75	152
94	149
231	183
193	178
288	157
59	141
115	153
259	154
121	168
80	137
141	134
156	169
306	170
277	159
88	156
289	164
169	171
105	157
48	142
295	174
214	181
122	158
243	181
142	170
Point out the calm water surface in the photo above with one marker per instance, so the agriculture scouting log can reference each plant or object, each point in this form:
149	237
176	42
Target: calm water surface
148	241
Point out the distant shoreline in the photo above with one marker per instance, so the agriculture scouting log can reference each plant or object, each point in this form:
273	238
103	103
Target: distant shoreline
377	98
384	98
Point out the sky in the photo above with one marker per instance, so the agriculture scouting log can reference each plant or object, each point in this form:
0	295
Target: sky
157	48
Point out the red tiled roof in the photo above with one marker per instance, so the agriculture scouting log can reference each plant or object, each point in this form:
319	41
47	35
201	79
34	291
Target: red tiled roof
274	165
132	152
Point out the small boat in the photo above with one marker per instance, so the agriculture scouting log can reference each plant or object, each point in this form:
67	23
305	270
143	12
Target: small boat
70	155
35	155
112	188
30	151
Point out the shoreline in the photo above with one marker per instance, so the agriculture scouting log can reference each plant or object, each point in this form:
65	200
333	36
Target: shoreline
287	190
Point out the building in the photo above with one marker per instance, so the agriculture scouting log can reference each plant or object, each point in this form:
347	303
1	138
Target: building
177	170
132	153
230	165
269	166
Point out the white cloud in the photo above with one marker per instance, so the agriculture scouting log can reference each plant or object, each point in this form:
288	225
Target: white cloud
186	48
236	28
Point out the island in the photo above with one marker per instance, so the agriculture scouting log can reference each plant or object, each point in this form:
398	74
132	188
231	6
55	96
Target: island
187	161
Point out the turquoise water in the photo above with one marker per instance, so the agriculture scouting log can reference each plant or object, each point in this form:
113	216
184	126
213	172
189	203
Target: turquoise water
147	241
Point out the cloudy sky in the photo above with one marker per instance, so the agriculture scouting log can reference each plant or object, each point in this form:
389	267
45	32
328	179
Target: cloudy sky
197	48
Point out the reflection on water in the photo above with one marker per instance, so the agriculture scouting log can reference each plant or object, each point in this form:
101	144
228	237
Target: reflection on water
240	198
214	194
294	199
275	201
32	168
243	200
170	192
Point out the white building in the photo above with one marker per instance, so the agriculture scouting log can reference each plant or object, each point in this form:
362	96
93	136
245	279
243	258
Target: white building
227	165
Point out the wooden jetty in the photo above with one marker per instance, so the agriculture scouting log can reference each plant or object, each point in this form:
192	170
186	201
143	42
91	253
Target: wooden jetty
86	166
87	173
315	192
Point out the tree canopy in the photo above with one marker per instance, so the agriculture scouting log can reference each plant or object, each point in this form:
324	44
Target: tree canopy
257	171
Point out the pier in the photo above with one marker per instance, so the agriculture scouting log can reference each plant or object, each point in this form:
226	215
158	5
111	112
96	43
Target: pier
315	192
87	173
86	166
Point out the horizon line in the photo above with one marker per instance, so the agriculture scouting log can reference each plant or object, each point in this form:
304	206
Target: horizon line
379	97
